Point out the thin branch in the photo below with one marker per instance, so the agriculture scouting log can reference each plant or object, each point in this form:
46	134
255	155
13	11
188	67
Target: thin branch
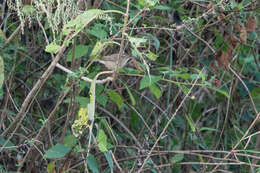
211	48
243	83
12	37
122	125
251	125
123	37
107	79
32	94
168	123
50	117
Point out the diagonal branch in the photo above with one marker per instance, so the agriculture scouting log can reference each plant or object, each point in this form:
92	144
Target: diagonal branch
32	94
168	123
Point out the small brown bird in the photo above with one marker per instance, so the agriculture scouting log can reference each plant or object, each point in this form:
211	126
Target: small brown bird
111	61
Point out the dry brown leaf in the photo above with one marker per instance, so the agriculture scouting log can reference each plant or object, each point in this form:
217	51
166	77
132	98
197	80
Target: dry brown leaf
250	24
210	5
235	96
214	67
225	58
234	40
243	35
222	59
237	27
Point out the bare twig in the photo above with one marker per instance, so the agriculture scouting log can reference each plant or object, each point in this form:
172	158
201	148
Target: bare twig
168	123
12	37
122	125
123	37
211	48
50	117
32	94
251	125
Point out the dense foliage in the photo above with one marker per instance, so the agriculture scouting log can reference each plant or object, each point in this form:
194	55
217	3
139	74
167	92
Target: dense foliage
129	86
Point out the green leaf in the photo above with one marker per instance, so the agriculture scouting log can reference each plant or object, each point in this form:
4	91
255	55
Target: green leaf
256	92
165	70
70	141
83	101
57	151
2	75
102	140
194	76
219	41
110	132
177	158
9	145
200	74
98	32
81	21
28	9
182	74
131	152
185	76
225	46
109	160
130	95
193	129
151	56
149	80
183	88
52	48
147	2
248	59
207	129
252	35
256	96
115	97
162	7
92	163
155	90
137	42
80	50
97	49
219	91
102	99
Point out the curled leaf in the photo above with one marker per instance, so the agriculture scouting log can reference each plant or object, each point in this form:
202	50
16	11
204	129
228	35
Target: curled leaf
224	58
52	48
243	35
234	40
250	24
237	27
